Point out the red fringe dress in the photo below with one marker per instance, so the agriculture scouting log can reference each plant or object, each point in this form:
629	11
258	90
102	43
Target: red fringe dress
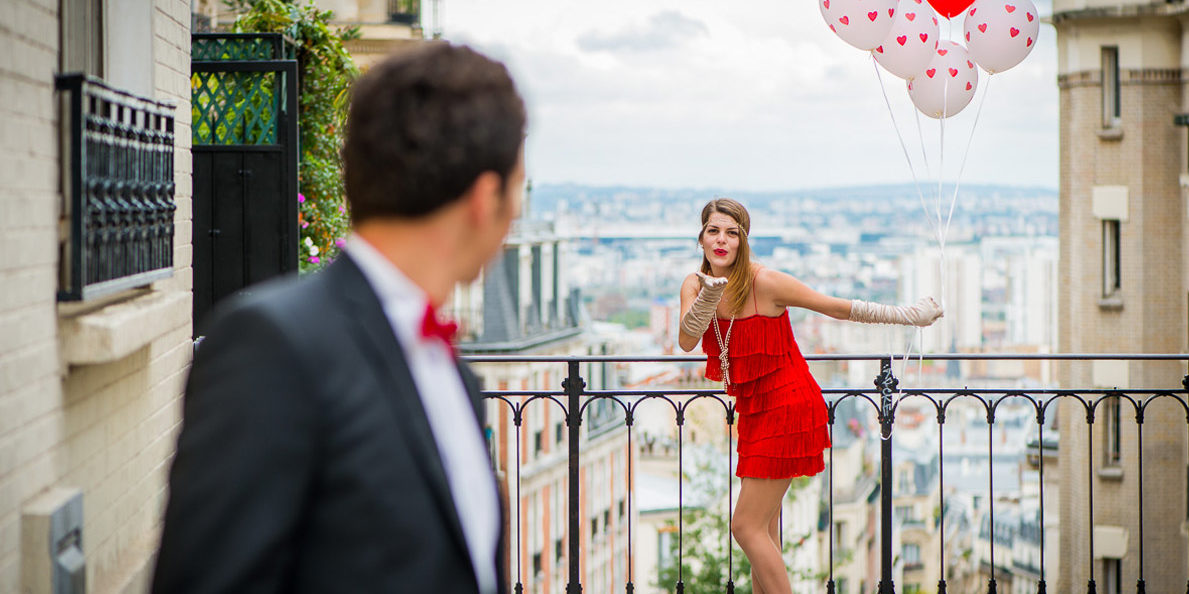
781	414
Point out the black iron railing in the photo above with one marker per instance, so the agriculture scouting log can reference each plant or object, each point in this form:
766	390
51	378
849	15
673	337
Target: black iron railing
574	400
119	189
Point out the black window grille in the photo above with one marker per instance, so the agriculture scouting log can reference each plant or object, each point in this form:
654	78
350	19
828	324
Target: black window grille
119	189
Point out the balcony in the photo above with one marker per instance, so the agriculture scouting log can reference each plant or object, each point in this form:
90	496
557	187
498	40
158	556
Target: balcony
577	404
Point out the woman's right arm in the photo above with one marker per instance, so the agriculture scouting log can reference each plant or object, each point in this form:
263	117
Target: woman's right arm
689	292
700	295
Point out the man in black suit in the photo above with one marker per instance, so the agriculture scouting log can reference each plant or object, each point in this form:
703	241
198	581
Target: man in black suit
331	442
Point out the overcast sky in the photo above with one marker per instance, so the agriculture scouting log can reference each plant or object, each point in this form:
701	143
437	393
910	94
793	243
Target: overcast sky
753	95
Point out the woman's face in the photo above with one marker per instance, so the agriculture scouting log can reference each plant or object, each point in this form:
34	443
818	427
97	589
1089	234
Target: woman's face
720	241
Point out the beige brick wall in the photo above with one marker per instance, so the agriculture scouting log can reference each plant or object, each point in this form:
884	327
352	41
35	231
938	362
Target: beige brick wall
107	429
1148	160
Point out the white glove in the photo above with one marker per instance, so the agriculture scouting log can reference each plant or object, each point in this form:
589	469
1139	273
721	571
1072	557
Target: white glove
701	313
924	313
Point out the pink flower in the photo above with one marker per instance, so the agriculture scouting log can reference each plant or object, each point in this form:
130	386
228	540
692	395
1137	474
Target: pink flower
314	260
304	224
301	197
340	242
342	208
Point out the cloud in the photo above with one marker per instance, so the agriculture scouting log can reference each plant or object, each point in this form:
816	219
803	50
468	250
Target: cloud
702	93
669	29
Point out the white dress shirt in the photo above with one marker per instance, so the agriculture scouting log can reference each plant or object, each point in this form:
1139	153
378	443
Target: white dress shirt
451	418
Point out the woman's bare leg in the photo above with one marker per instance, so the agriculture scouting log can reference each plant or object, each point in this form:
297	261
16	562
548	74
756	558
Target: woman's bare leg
755	516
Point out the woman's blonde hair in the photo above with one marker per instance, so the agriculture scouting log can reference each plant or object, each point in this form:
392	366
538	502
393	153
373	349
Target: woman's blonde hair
740	276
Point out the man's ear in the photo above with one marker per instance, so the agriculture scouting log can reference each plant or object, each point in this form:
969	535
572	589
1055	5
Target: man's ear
483	198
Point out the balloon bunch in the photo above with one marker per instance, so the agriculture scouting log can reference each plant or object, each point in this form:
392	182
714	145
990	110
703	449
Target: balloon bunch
904	37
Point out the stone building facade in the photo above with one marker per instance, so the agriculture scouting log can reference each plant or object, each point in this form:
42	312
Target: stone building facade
1123	288
89	390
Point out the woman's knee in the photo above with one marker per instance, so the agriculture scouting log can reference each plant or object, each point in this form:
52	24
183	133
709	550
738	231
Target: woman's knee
746	531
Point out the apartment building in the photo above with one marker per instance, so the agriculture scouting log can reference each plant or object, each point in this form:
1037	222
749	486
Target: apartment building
1123	287
95	327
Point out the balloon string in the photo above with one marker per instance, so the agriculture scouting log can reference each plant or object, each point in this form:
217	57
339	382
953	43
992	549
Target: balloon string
941	234
958	182
904	147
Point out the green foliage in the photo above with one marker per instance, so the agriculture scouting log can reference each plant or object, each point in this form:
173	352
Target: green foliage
704	543
704	562
631	318
325	72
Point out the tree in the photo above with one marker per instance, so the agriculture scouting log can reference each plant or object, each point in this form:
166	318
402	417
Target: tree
705	563
325	74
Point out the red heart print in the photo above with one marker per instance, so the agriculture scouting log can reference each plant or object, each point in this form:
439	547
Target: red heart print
934	20
924	37
1014	31
1029	17
942	52
879	49
968	36
902	39
910	83
826	3
844	20
969	64
873	15
891	12
972	10
833	29
968	86
982	28
1009	8
930	72
911	16
1029	44
953	72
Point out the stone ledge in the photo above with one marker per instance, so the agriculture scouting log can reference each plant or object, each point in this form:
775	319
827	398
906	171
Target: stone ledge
117	330
1113	133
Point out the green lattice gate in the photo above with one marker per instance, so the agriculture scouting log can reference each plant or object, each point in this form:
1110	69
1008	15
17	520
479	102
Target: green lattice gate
244	122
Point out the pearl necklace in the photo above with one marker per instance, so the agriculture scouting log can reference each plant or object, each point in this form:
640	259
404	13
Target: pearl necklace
723	362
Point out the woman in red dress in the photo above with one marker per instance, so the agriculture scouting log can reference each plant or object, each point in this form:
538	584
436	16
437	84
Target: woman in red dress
739	311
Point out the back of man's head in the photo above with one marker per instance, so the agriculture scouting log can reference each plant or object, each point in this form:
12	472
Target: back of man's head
423	125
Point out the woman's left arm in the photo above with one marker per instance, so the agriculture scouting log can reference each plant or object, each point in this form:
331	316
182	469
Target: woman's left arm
786	291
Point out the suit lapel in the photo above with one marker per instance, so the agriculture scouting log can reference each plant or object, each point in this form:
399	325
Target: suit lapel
373	329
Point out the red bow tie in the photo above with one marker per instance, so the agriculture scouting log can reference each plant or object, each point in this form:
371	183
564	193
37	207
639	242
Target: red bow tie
432	328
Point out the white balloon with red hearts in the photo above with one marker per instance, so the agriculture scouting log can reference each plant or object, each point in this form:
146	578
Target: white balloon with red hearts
861	23
912	41
1001	33
946	86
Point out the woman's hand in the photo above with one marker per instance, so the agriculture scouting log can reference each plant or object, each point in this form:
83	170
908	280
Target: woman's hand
702	306
923	313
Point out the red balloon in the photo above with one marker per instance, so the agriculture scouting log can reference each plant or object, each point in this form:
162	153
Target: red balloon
950	8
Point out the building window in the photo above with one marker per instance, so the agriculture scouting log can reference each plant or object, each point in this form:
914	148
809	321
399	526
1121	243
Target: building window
1110	87
839	543
912	555
1111	258
1112	576
82	26
1111	447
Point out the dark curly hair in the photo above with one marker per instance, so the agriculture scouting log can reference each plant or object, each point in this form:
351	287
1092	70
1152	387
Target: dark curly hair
423	125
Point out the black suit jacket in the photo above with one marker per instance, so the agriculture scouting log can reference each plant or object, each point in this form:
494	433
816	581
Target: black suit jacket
305	462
